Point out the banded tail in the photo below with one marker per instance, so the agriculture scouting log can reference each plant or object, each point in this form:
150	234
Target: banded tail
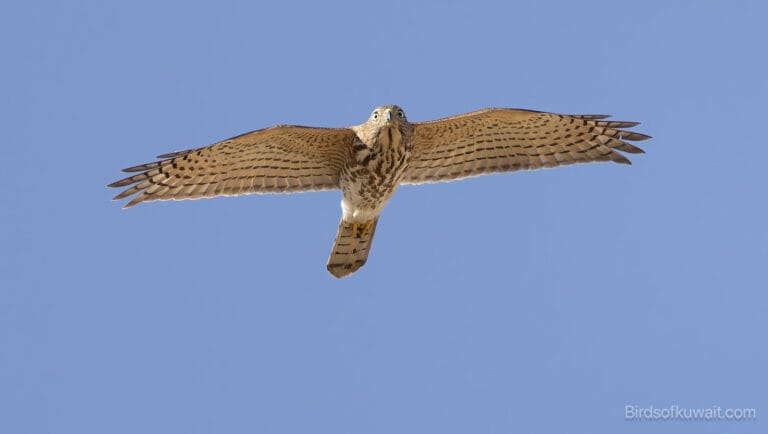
350	251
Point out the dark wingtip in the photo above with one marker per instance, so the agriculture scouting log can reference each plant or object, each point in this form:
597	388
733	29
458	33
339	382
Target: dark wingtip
622	124
631	135
123	182
591	117
175	154
125	193
617	157
141	167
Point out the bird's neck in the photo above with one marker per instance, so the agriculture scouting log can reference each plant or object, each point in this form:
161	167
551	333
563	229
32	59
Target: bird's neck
389	137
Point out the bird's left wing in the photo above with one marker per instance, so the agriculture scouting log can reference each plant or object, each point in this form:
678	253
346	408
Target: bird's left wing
505	140
281	159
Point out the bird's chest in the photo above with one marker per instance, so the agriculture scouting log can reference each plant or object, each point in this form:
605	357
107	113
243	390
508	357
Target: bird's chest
373	174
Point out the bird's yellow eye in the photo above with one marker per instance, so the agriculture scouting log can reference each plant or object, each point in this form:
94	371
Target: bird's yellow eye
400	114
375	115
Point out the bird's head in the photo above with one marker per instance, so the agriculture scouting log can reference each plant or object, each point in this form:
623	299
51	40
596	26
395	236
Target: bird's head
388	115
386	125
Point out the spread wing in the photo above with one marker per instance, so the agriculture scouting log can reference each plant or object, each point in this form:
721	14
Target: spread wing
281	159
505	140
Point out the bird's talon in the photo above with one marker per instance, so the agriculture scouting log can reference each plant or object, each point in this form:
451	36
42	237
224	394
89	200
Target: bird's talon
362	229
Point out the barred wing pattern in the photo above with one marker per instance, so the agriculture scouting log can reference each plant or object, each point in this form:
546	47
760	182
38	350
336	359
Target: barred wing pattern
505	140
281	159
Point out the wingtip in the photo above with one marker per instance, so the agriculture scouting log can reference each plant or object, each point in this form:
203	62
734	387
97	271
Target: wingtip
118	197
637	137
175	154
126	206
133	202
139	168
617	157
592	117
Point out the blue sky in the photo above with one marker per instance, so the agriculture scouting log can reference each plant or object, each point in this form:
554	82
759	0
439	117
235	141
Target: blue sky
530	302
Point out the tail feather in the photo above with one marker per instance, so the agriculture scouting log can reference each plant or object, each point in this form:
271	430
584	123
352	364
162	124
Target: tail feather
350	250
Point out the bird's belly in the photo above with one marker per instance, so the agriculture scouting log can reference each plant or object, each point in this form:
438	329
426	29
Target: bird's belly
366	194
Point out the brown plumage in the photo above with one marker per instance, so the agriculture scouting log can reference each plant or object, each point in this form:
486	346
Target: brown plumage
281	159
368	162
350	249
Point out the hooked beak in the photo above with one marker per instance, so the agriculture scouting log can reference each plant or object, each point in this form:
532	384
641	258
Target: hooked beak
388	115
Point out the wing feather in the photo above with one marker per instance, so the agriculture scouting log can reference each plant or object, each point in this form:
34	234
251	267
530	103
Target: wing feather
505	140
281	159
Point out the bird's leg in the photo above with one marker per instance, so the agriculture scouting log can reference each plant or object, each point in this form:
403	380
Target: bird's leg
361	229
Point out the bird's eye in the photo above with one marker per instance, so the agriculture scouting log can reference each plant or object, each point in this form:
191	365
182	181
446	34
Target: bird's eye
400	114
375	115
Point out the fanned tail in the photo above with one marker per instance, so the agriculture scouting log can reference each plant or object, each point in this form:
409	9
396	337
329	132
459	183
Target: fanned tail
350	250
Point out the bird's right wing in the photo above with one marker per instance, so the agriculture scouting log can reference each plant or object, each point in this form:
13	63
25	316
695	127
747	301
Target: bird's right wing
281	159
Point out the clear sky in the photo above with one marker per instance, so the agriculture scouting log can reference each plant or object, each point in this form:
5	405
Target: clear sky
529	302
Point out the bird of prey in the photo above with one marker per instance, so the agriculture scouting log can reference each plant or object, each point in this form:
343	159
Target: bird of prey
369	161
